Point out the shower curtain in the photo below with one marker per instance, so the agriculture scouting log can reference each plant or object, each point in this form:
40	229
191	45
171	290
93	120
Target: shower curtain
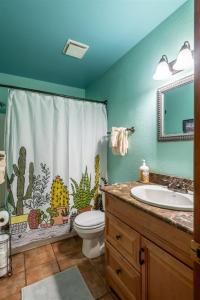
56	155
2	122
2	149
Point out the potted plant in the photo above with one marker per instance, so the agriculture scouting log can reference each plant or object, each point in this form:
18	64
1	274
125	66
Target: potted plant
65	215
19	218
34	218
53	213
59	199
39	197
83	193
46	220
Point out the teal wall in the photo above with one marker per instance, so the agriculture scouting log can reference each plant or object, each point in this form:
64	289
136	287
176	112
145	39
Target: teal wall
131	94
178	106
36	84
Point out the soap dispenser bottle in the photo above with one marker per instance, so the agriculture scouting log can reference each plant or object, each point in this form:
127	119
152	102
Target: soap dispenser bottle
144	172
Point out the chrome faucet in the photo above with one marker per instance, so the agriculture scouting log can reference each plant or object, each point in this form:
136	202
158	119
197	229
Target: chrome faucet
178	185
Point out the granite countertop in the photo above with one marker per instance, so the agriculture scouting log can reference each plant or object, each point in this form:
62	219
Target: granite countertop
180	219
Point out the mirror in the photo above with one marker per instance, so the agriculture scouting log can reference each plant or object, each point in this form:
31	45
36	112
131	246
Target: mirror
176	110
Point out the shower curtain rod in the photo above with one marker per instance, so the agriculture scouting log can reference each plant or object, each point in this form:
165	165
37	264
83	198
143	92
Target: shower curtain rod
53	94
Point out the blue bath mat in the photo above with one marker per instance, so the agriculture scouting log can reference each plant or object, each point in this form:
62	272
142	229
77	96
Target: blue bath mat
67	285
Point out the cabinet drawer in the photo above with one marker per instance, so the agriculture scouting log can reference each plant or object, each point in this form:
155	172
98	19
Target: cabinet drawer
124	239
121	276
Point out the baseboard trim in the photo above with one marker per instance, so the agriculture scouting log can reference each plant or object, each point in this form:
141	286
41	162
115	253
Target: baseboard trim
41	243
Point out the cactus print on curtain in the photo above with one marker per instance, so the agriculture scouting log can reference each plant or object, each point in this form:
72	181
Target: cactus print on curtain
54	172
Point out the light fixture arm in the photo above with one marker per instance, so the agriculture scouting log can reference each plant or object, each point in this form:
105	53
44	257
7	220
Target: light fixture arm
164	58
186	45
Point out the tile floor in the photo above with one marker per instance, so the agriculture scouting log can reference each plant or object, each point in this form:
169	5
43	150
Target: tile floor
38	263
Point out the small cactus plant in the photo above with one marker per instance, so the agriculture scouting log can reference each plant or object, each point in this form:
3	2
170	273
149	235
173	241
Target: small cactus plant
59	194
10	198
34	218
82	193
19	172
39	194
39	197
97	175
98	205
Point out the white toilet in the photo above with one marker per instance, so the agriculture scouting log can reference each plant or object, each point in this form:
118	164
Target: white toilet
90	227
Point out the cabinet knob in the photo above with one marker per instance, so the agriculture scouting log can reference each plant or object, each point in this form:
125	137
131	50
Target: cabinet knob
118	236
118	271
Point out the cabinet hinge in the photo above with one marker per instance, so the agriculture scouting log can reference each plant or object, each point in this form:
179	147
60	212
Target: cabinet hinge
195	251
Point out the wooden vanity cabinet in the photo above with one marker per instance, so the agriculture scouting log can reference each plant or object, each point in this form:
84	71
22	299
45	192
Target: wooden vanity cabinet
143	265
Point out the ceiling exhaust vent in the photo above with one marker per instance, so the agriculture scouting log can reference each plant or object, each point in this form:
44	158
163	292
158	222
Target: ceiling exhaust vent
75	49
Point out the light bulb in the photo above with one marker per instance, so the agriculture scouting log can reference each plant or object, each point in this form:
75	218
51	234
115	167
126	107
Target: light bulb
163	71
184	59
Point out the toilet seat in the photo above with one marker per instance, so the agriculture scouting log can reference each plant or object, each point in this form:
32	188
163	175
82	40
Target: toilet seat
89	227
90	220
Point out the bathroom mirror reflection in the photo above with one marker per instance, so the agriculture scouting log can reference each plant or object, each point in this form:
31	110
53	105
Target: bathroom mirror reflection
176	110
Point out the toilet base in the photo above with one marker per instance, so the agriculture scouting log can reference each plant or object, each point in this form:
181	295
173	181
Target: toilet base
93	248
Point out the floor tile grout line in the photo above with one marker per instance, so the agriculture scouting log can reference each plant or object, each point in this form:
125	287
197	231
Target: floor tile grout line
25	270
45	263
100	275
99	298
68	255
56	258
29	266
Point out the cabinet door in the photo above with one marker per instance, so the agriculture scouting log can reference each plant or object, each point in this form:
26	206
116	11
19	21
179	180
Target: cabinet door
163	276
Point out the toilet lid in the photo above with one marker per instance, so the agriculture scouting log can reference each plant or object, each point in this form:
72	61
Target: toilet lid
90	218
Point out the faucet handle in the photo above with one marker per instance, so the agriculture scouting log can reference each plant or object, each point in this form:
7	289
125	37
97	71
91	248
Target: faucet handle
169	182
172	181
181	185
165	181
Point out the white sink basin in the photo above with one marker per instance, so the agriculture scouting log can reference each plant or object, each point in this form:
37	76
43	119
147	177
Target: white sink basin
163	197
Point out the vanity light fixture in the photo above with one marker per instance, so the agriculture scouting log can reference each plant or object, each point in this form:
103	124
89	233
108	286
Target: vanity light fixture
184	59
163	69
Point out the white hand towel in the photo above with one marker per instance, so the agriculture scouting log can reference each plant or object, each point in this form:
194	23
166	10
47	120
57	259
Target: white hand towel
114	137
119	141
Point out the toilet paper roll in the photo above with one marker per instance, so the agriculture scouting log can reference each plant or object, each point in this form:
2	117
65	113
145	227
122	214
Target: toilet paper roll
3	260
4	218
